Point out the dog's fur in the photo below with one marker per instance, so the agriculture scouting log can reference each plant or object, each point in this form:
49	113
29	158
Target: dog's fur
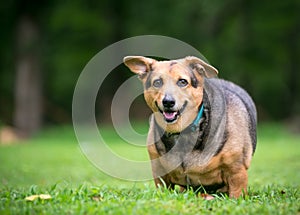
211	153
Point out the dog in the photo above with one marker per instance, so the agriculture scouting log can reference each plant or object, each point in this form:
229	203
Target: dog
202	131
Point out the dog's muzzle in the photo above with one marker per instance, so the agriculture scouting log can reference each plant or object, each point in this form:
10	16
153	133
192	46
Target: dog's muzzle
169	113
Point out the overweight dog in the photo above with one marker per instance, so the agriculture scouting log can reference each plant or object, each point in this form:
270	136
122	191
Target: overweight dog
203	129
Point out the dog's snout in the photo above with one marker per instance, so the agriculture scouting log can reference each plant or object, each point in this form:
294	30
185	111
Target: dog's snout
168	101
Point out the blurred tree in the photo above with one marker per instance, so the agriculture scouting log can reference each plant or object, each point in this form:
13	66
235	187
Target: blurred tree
75	32
28	86
28	91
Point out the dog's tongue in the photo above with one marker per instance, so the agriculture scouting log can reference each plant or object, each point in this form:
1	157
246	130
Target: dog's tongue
169	115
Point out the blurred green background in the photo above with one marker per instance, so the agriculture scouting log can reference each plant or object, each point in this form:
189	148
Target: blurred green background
46	44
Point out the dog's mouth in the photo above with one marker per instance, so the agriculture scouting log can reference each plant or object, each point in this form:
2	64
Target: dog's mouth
171	115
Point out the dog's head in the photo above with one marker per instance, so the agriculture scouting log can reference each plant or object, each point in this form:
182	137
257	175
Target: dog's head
172	89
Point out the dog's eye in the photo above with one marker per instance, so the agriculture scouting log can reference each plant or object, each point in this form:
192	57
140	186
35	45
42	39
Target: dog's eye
157	83
182	82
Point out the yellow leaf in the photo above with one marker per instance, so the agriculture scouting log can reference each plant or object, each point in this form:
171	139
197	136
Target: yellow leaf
45	196
32	198
41	196
97	198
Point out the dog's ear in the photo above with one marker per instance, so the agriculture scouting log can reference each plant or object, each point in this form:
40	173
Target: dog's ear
203	68
139	65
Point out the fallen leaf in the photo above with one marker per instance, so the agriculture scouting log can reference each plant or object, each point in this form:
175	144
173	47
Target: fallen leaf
41	196
32	198
97	198
45	196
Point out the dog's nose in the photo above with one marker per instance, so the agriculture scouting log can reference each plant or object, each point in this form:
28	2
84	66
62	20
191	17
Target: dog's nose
168	101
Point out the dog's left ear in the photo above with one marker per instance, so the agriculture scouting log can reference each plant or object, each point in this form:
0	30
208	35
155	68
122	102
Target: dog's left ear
139	65
201	67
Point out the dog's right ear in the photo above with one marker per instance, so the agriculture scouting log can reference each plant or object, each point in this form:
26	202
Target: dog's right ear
201	67
139	65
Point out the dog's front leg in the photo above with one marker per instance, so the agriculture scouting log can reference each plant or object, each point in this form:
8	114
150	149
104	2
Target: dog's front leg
237	182
160	181
163	182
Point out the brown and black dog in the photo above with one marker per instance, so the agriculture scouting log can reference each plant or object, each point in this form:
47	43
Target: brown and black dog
203	130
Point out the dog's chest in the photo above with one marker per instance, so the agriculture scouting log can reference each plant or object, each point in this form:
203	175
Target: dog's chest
180	155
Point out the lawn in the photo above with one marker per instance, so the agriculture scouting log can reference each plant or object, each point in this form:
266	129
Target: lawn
52	163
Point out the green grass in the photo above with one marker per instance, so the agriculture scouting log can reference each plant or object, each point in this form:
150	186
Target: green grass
52	163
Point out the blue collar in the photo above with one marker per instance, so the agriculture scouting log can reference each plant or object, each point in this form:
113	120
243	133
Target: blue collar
195	124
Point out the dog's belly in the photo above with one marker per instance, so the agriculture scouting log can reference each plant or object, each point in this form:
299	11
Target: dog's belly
190	176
